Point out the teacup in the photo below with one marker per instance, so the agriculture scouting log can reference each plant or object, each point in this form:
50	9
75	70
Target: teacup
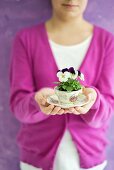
65	97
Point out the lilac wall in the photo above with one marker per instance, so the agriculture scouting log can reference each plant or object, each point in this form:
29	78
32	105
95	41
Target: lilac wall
15	14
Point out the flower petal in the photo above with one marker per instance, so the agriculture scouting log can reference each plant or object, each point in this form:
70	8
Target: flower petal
63	79
74	76
82	76
79	73
65	69
59	74
67	74
58	71
71	70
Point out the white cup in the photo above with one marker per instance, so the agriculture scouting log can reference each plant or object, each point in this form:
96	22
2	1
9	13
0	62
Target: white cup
65	97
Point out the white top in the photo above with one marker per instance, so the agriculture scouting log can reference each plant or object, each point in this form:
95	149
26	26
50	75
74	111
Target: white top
67	56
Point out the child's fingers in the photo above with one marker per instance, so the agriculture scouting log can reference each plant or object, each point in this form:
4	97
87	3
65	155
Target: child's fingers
73	110
43	101
47	109
55	110
61	112
66	111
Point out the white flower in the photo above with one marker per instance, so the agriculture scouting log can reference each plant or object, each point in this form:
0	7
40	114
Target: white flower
82	76
63	77
74	76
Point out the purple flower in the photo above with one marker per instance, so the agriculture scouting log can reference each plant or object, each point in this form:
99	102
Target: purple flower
65	69
71	70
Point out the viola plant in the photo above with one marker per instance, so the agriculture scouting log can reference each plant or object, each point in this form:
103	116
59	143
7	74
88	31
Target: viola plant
69	79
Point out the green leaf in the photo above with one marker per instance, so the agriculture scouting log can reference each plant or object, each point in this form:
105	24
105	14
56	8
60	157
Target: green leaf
69	85
69	88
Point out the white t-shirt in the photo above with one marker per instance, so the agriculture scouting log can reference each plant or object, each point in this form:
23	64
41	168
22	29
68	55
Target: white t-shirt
67	56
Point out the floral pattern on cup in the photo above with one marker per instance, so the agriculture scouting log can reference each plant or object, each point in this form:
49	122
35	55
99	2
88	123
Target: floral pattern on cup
73	98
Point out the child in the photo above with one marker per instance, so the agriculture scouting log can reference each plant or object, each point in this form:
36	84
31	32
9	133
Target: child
52	138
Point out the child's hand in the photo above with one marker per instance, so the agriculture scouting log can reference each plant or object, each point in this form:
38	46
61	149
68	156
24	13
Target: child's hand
92	95
41	99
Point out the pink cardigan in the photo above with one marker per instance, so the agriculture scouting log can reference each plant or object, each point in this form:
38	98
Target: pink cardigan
32	67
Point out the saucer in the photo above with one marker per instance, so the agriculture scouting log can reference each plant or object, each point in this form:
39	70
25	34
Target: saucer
81	101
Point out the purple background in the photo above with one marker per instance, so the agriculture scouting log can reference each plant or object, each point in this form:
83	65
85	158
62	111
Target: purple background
15	14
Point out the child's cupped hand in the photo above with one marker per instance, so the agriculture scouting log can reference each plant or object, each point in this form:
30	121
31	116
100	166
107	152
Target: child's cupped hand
91	95
48	109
